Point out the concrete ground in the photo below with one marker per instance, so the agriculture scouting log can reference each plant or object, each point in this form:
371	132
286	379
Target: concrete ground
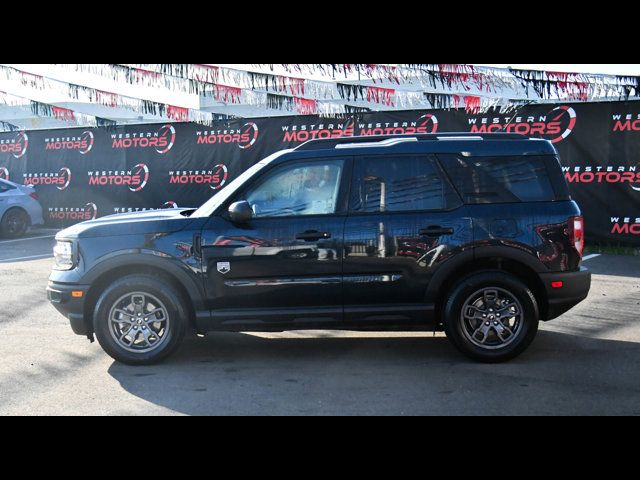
585	363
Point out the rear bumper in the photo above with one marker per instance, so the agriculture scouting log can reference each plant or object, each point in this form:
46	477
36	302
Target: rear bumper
575	288
34	210
59	294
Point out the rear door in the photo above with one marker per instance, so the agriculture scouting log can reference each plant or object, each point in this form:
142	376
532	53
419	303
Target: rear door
404	221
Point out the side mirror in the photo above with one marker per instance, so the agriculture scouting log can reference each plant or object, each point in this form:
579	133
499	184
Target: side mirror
240	212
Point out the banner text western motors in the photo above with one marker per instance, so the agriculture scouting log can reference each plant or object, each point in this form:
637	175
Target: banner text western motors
83	173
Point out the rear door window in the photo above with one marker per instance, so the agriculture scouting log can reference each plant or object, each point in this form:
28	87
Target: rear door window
399	184
507	179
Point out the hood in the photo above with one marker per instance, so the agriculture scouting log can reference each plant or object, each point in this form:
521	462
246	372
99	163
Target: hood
136	223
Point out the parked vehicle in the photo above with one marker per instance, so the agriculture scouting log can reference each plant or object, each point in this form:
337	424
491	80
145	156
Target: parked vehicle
472	234
19	209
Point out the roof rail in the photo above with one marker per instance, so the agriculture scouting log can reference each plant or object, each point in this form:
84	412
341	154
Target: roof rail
391	140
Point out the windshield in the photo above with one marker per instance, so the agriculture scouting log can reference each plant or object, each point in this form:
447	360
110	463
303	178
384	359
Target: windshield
219	198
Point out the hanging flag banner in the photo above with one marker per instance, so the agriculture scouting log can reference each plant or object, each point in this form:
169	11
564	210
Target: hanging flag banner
85	173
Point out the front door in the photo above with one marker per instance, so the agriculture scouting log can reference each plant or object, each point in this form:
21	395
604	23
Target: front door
285	264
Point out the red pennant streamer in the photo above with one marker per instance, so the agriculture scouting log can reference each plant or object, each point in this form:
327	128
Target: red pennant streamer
464	75
108	99
63	114
391	74
306	106
386	96
227	94
569	84
31	80
142	74
179	114
471	104
369	68
295	85
384	71
206	73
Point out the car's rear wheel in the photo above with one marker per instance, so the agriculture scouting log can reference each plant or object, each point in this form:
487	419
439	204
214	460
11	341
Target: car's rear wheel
140	320
15	223
491	316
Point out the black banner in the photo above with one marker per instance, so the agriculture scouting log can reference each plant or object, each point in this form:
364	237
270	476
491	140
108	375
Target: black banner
83	173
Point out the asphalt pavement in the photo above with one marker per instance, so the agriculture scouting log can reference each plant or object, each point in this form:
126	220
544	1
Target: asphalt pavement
585	363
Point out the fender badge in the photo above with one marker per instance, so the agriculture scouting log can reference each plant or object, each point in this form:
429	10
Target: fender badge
224	267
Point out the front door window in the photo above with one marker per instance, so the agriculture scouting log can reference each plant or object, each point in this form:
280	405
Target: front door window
302	189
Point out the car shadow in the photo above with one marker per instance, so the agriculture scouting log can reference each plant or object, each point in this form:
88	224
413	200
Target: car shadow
243	374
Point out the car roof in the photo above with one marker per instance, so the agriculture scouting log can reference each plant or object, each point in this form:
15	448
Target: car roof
468	144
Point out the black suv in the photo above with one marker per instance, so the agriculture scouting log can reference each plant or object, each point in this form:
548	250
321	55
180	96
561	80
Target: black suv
475	235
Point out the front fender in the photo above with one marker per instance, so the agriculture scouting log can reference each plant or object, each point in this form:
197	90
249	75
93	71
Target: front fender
187	275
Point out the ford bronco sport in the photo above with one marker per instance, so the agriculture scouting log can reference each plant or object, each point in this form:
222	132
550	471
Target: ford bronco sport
472	234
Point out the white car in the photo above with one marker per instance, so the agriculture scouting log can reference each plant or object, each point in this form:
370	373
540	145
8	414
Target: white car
19	209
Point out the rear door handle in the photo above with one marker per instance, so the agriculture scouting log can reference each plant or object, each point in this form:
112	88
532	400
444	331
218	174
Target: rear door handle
312	235
436	231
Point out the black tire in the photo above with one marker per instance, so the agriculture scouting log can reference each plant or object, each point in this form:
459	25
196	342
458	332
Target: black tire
15	223
171	300
471	288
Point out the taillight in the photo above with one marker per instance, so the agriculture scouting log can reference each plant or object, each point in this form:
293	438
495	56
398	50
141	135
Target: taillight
576	233
34	195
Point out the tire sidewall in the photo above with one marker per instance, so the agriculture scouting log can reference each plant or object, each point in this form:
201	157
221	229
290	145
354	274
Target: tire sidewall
5	219
470	285
138	283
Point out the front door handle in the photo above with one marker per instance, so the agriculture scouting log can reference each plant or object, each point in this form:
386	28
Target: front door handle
197	245
436	231
310	235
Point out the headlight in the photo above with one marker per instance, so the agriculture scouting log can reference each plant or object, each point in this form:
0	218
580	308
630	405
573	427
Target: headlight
63	255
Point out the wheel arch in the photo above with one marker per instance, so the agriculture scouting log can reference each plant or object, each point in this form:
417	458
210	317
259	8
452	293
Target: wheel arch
16	207
116	267
527	270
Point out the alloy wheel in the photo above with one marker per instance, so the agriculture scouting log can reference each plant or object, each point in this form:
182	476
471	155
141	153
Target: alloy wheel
491	318
139	322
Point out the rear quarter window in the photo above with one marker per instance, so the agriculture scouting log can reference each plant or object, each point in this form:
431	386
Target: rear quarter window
505	179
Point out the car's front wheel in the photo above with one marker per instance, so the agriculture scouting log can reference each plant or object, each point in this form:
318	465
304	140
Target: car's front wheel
140	320
491	316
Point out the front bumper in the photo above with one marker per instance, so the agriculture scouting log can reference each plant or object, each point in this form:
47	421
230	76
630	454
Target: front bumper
60	296
575	288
